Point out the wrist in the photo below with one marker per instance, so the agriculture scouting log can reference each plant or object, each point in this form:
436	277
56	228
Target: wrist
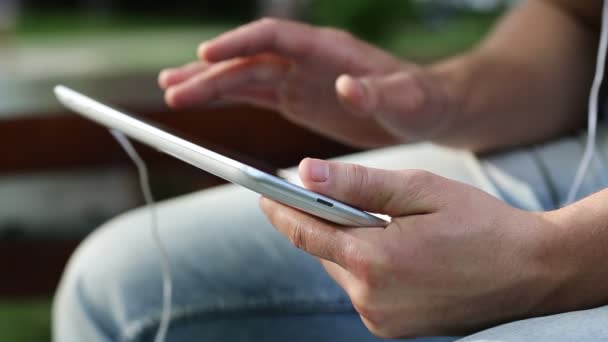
577	259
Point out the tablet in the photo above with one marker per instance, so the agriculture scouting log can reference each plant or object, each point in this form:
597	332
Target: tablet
231	170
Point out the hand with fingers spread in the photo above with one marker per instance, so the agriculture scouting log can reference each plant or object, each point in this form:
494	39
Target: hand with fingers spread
320	78
453	259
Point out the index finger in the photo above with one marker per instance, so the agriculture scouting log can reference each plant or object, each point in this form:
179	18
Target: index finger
311	235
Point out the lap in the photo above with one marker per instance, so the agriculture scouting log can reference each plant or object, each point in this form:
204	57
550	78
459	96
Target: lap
227	260
585	325
217	267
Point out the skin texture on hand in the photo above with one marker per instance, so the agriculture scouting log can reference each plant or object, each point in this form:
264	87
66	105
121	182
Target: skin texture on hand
320	78
453	260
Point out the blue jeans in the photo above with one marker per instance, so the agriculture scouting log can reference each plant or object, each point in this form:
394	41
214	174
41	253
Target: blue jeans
237	279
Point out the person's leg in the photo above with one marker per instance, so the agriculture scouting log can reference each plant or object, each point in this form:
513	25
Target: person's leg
586	325
235	277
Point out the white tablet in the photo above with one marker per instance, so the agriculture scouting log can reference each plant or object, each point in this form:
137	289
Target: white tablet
231	170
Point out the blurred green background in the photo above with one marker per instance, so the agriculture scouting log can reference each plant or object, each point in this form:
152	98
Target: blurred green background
422	30
166	33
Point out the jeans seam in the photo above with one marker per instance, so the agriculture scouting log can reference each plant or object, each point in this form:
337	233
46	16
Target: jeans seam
237	308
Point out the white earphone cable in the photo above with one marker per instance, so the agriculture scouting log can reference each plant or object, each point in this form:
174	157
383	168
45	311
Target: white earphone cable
167	281
593	110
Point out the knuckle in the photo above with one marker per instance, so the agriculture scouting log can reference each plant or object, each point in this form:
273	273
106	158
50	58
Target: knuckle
269	22
336	35
368	290
420	176
418	180
359	179
370	270
417	100
297	236
379	315
416	97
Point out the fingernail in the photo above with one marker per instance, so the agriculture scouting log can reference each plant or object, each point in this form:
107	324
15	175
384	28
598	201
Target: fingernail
162	78
202	50
342	84
319	170
170	97
348	85
355	93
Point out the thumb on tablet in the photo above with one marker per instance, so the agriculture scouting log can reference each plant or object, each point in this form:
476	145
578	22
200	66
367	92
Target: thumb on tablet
394	193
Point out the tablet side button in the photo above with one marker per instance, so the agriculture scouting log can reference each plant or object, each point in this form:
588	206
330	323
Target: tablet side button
325	202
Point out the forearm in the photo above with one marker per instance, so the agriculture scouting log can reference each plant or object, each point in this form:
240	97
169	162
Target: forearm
578	250
528	81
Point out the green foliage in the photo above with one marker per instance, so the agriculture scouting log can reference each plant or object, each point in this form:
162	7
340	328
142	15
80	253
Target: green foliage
25	321
56	23
427	43
368	19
